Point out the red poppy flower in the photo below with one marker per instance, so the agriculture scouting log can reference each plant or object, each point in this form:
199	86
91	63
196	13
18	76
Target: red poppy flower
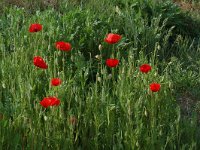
35	27
112	62
54	101
145	68
39	62
46	102
112	38
63	46
155	87
56	81
50	101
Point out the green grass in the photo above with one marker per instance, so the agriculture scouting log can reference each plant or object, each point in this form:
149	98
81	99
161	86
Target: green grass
112	113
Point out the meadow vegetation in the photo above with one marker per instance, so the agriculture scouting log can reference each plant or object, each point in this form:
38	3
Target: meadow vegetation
100	107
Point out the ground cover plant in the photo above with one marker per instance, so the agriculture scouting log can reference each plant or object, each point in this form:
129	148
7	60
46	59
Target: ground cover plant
99	75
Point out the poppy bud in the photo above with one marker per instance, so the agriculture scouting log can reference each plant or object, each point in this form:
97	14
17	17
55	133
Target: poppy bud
100	47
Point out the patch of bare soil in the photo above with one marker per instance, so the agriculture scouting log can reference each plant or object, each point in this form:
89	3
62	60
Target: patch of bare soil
187	6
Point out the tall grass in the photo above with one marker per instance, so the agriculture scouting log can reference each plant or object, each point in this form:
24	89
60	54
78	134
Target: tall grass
114	108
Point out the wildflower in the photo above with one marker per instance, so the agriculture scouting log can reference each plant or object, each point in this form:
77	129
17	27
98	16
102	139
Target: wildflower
63	46
39	62
50	101
56	81
112	38
112	62
155	87
54	101
145	68
35	27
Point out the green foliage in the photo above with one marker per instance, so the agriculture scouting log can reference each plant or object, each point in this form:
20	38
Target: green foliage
183	23
113	107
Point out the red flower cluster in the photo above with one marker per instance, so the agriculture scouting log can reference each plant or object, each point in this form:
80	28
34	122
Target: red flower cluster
111	38
35	27
145	68
50	101
40	63
56	81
